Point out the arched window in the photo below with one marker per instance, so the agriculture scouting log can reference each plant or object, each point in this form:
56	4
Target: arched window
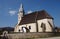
19	30
29	27
23	29
43	26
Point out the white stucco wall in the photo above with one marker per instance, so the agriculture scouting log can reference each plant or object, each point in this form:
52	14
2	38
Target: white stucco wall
20	27
52	22
16	28
45	21
33	27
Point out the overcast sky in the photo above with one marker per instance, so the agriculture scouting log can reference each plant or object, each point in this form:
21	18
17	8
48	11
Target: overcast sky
9	10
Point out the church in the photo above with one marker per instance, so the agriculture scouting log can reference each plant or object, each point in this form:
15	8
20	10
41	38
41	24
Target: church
38	21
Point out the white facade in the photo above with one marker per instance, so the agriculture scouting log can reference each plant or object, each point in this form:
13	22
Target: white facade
45	21
33	26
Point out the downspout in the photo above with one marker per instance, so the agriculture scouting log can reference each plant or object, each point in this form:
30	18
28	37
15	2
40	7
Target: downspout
53	26
36	22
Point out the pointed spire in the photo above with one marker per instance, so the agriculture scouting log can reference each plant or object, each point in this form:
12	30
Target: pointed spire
21	13
21	7
21	10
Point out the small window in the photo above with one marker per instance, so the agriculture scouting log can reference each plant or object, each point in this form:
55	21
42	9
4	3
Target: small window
22	27
19	30
29	27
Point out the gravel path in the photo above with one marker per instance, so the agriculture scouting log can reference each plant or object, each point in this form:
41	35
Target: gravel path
50	38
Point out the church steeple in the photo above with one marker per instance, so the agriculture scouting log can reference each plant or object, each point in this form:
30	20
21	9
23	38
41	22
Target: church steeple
21	10
21	13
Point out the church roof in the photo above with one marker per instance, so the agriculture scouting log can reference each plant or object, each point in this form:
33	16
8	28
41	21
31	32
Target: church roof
32	17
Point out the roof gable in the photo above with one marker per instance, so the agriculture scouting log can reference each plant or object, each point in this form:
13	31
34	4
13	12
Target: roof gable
31	18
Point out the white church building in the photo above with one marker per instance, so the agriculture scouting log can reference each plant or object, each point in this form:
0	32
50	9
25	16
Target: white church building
38	21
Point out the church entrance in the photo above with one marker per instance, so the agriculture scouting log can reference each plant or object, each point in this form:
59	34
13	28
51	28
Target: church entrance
25	29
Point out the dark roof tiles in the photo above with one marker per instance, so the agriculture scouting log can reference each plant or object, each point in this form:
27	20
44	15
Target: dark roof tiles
31	18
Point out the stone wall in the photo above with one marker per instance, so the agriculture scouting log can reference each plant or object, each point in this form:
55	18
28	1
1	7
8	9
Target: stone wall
28	35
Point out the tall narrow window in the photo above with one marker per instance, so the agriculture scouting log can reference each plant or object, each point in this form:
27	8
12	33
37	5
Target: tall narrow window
19	30
22	29
29	27
43	26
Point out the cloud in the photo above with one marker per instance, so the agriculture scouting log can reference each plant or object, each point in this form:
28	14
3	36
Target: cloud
12	12
10	8
29	12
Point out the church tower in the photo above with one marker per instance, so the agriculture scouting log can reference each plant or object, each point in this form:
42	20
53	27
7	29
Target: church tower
20	13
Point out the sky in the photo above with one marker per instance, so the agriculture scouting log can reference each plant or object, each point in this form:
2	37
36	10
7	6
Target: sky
9	10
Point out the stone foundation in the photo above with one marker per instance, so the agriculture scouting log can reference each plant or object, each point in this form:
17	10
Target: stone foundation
28	35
